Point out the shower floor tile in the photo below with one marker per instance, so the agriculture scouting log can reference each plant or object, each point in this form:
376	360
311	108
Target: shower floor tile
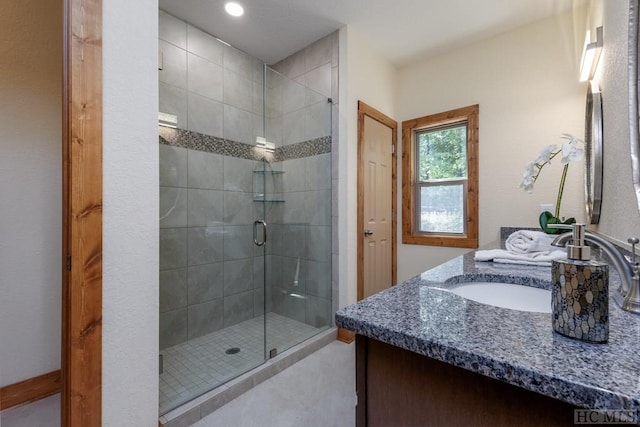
202	364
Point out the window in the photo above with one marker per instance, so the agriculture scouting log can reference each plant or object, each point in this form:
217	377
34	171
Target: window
440	179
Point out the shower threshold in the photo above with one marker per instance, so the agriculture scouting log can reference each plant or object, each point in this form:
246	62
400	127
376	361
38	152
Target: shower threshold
202	365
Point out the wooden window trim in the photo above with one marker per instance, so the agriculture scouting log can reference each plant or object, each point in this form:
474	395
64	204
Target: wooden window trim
409	233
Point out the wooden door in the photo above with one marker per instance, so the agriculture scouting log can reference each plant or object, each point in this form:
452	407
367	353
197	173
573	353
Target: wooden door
376	201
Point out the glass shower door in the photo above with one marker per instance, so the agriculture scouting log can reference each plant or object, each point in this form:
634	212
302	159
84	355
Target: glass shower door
298	211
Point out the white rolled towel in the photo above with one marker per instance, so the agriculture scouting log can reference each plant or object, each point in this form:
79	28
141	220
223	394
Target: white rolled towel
527	241
540	259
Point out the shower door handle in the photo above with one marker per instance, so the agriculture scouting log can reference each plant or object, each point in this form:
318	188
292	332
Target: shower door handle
255	232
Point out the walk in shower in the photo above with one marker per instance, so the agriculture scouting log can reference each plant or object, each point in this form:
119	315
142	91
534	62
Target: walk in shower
245	212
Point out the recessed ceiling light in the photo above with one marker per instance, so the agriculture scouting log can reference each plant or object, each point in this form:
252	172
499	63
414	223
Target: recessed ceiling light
234	9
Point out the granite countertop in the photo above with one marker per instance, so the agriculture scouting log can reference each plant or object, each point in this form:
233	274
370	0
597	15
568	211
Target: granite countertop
517	347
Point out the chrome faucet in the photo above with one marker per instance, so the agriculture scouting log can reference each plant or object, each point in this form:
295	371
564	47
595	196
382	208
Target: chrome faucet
628	293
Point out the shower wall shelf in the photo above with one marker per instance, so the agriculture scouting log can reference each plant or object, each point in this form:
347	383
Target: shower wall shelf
268	172
265	189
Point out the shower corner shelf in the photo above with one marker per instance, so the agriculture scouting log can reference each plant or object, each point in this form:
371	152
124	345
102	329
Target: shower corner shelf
268	200
265	188
268	172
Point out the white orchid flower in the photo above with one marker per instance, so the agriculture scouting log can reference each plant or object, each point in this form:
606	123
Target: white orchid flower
571	153
530	170
529	177
527	185
545	154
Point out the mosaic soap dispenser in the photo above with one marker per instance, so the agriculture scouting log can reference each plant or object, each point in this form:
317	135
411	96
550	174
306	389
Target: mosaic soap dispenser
580	295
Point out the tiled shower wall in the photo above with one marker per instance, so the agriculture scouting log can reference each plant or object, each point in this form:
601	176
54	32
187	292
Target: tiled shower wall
212	88
211	274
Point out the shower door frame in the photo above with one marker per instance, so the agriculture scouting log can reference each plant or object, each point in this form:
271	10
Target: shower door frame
261	219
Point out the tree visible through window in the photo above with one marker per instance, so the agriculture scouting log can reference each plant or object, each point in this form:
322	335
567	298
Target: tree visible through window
442	176
440	179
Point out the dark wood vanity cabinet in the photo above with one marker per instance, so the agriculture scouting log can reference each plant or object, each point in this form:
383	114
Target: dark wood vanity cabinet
397	387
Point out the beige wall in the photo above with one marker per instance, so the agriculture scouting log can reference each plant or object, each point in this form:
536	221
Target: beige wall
526	83
31	191
366	76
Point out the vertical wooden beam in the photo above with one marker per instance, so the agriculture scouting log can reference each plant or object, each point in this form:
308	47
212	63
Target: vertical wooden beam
82	227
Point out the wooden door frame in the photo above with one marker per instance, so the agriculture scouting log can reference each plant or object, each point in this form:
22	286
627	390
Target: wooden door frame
366	110
81	397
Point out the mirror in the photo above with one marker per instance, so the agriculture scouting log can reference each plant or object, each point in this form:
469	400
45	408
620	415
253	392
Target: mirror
633	97
593	154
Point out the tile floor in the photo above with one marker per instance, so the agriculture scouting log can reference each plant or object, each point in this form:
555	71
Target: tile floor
201	364
318	391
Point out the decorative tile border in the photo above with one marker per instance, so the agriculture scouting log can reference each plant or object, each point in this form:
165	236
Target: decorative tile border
211	144
313	147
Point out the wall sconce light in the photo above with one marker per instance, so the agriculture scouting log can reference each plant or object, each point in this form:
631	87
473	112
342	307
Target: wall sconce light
168	120
590	55
262	142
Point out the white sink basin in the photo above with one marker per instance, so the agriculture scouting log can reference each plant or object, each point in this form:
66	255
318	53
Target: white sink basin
506	295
